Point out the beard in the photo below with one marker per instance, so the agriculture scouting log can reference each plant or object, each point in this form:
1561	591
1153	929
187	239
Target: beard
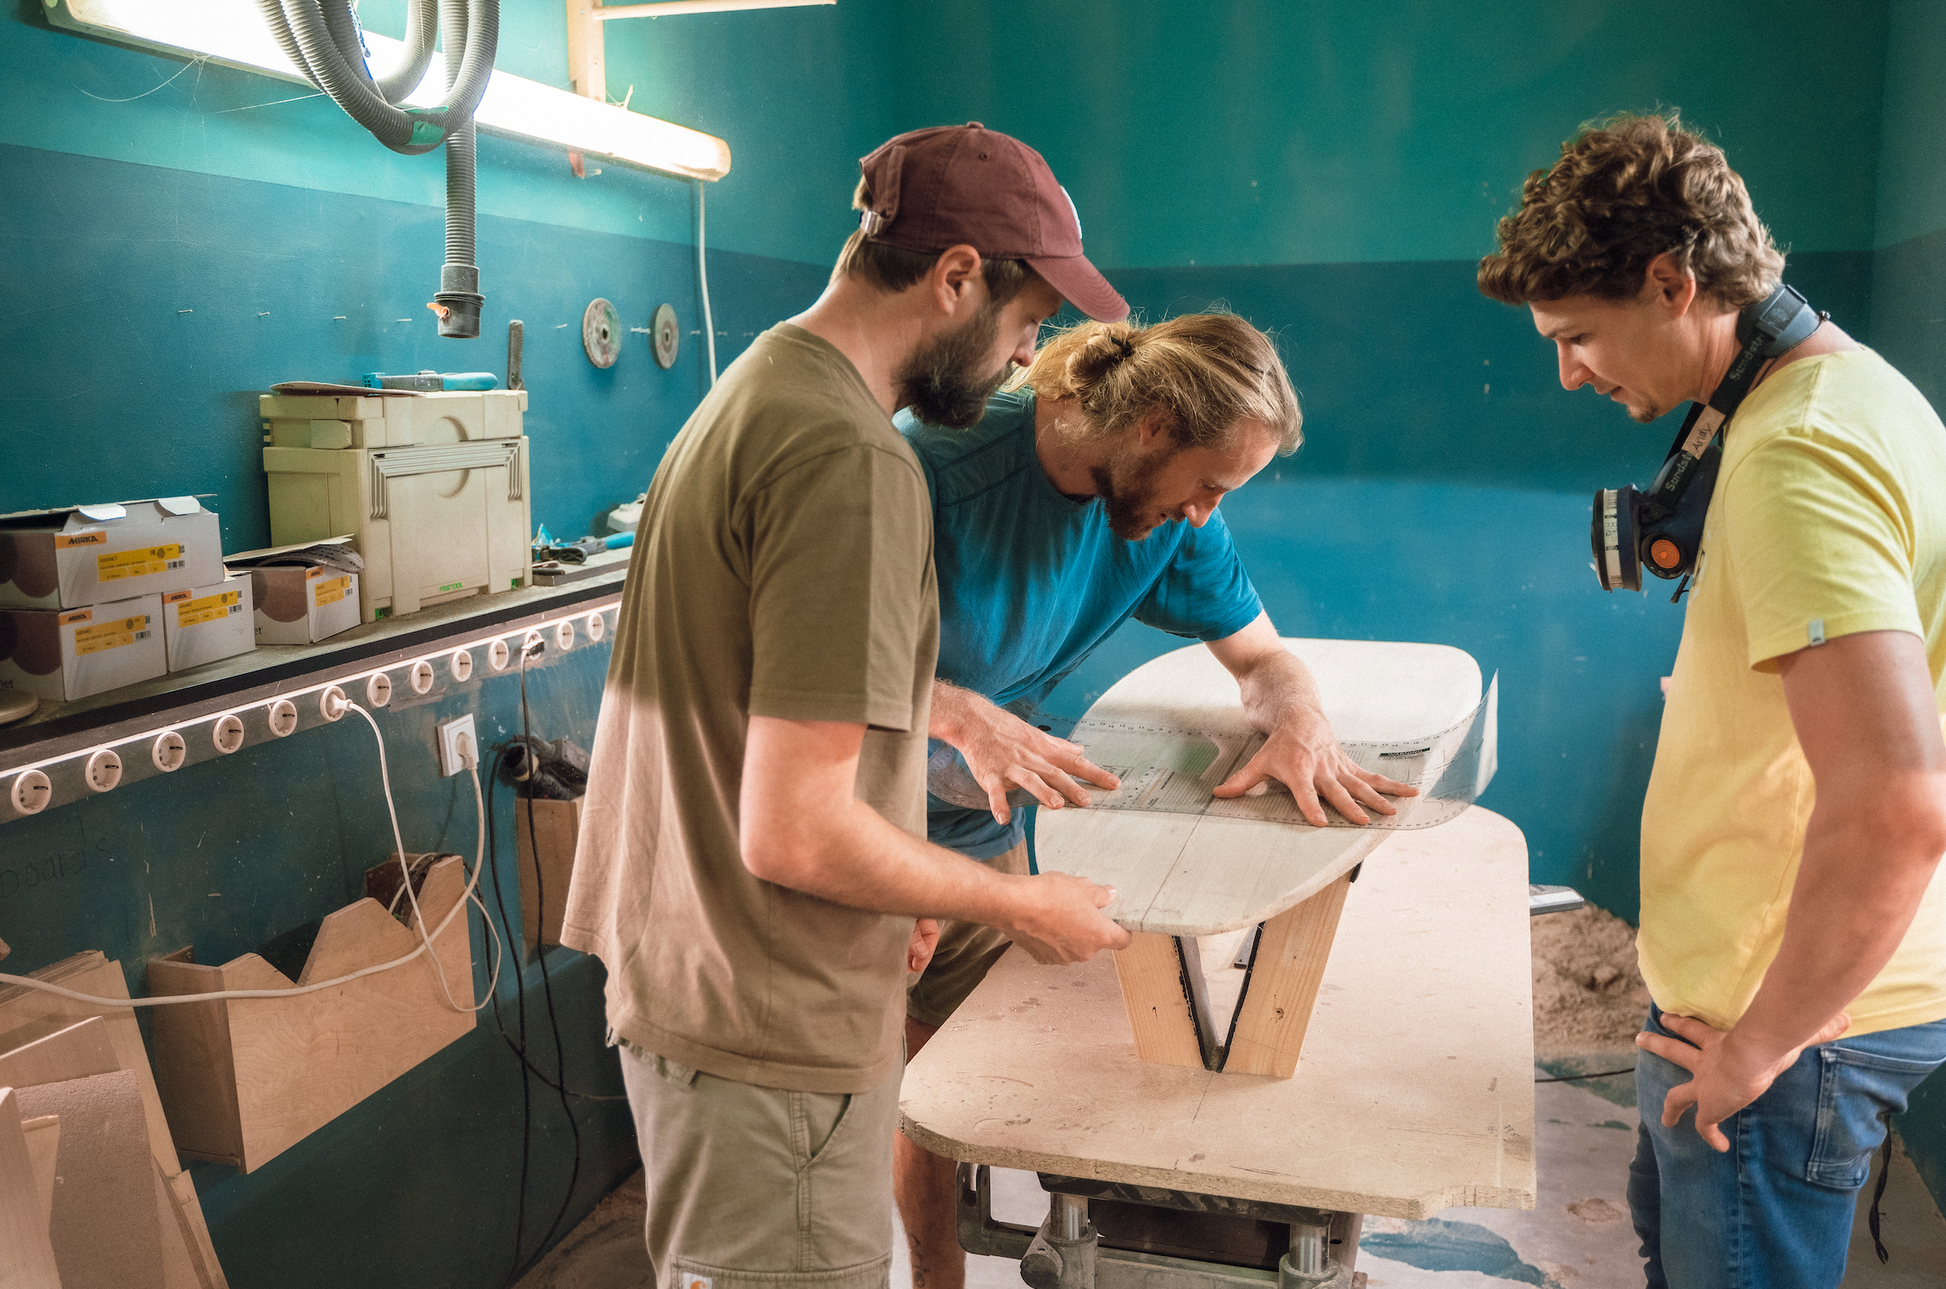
1125	485
942	382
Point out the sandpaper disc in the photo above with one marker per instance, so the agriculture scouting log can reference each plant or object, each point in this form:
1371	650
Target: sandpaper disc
666	335
601	333
17	705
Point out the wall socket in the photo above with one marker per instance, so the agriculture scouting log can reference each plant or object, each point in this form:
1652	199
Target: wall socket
450	733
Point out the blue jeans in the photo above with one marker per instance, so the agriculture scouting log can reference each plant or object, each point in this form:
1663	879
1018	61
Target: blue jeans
1775	1212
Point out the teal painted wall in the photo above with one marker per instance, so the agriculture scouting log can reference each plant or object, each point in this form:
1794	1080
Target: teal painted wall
1330	173
1292	131
1908	325
296	244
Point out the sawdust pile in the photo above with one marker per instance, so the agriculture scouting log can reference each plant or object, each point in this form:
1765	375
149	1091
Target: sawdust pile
1588	993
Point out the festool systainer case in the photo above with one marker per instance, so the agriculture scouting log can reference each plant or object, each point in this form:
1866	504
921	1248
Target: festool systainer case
438	517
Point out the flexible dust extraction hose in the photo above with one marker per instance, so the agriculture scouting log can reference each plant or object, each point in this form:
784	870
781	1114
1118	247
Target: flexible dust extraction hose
323	39
459	276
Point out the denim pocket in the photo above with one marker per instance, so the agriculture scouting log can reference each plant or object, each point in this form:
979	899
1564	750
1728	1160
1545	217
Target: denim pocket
1856	1092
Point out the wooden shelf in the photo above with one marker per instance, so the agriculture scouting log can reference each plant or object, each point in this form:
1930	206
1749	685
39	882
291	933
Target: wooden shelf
61	728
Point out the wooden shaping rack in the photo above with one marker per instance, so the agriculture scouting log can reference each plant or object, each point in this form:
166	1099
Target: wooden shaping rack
1180	877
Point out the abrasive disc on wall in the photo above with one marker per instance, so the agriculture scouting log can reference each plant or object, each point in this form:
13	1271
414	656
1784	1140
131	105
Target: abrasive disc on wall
601	333
665	335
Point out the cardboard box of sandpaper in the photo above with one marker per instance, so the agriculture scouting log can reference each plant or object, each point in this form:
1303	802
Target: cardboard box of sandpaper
65	654
75	556
204	623
303	592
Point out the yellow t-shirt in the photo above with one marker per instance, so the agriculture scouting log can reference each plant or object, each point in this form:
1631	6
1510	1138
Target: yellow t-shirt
1829	518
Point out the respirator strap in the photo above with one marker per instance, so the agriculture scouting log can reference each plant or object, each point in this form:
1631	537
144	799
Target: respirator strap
1768	330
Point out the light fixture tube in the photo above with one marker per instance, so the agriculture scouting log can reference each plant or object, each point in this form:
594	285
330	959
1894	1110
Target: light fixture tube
233	32
668	8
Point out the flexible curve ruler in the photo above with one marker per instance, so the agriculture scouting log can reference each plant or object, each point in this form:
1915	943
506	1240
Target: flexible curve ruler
1171	770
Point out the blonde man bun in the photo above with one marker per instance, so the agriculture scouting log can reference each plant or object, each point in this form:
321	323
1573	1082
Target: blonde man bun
1205	372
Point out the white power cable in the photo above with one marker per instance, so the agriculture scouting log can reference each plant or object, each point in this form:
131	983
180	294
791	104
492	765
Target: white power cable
425	938
702	278
405	870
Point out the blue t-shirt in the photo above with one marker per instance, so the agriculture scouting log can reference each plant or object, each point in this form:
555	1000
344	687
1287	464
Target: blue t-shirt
1031	581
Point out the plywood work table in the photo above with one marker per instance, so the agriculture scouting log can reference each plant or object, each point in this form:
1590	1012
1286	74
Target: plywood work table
1414	1090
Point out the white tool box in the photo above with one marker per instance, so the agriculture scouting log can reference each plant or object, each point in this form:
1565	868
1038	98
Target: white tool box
434	486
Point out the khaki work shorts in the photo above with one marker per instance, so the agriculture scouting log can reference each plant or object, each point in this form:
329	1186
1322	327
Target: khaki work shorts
761	1188
966	952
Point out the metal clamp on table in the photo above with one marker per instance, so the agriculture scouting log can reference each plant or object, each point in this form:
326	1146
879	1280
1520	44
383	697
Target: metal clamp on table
1113	1235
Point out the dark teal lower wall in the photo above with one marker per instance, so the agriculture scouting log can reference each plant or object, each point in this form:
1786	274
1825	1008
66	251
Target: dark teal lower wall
418	1184
1909	328
1442	495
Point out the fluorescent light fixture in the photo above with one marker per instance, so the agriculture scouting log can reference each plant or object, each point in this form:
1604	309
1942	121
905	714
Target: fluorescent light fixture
233	32
668	8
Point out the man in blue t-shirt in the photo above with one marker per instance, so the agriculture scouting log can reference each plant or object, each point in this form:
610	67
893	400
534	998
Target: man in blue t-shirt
1085	497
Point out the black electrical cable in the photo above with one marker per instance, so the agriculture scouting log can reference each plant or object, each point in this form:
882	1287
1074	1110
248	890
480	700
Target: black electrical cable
1576	1078
520	1048
520	988
547	984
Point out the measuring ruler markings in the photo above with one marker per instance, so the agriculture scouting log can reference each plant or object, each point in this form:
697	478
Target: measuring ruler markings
1174	771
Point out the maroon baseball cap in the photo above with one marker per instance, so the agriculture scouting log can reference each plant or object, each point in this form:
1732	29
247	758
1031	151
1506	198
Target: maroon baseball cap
966	184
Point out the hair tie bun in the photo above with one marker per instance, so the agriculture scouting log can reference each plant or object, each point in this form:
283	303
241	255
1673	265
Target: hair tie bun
1126	345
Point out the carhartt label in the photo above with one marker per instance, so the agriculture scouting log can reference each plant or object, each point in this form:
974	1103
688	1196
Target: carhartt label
62	541
1815	630
139	563
111	635
694	1281
211	608
332	591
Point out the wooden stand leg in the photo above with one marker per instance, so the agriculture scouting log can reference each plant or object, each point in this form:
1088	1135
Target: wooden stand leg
1276	1006
1160	1009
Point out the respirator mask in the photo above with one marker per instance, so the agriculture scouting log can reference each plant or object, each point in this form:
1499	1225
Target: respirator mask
1661	529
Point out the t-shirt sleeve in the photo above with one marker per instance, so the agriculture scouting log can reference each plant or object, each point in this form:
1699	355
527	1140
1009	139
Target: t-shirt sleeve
1822	546
1204	592
840	547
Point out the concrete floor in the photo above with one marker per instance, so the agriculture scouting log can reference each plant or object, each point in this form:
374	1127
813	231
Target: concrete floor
1576	1237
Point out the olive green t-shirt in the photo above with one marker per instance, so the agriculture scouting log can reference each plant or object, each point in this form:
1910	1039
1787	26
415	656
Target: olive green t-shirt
783	568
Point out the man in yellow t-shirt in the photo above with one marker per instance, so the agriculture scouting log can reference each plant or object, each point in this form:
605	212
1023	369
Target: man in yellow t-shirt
1793	913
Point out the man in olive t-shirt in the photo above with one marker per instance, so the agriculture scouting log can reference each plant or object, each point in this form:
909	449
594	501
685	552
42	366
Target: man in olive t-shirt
752	853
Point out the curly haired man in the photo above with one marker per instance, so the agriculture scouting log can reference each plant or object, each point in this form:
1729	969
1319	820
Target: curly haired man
1793	919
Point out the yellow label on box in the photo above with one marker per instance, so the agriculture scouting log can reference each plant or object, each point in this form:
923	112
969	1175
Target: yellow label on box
111	635
79	615
62	541
139	563
333	591
211	608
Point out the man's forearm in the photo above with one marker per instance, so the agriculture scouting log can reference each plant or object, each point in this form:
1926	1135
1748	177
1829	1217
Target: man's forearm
953	709
855	856
1272	681
1858	886
1276	685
